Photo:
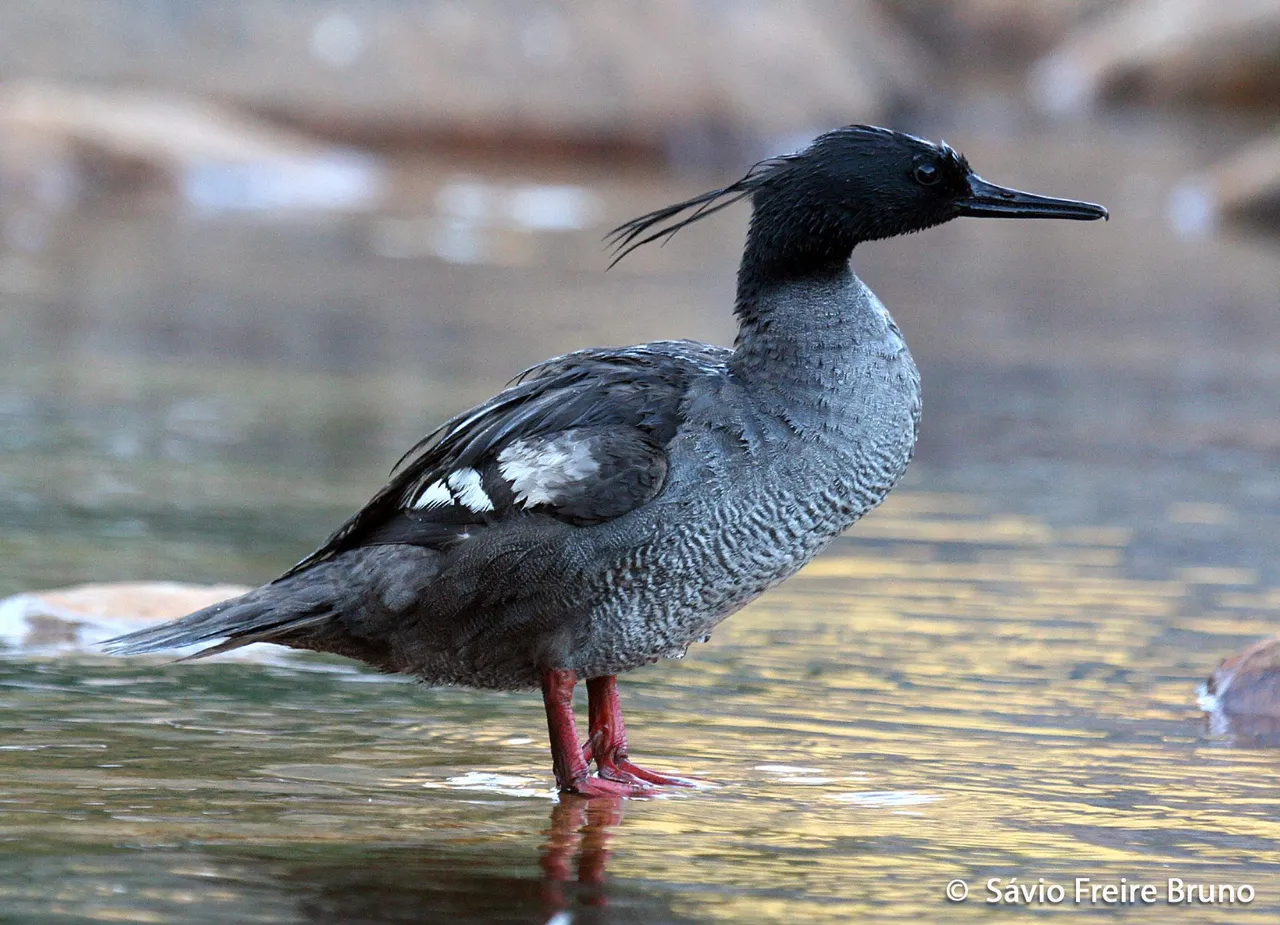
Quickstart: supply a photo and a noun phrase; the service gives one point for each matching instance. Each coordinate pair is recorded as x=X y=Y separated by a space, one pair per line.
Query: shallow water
x=991 y=676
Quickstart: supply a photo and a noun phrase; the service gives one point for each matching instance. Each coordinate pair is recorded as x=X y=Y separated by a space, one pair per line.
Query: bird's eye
x=926 y=174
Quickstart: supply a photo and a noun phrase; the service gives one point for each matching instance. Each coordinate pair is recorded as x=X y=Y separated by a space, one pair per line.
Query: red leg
x=607 y=738
x=573 y=774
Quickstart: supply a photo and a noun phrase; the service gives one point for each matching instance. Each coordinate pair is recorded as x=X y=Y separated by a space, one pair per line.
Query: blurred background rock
x=392 y=73
x=274 y=97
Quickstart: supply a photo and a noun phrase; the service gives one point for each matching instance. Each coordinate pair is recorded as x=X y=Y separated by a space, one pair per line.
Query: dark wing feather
x=623 y=405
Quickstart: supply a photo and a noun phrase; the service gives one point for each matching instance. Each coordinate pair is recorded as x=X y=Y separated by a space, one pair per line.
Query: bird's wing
x=581 y=438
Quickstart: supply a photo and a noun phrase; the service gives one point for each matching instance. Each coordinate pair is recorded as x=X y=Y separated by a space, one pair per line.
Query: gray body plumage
x=681 y=482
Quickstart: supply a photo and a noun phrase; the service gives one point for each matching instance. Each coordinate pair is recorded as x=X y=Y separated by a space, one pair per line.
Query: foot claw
x=606 y=787
x=620 y=768
x=652 y=777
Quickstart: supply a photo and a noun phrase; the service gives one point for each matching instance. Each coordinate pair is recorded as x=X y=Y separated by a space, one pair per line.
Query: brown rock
x=609 y=71
x=78 y=618
x=980 y=34
x=1223 y=51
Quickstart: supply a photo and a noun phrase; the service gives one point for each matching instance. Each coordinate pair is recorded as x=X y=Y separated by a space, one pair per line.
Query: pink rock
x=79 y=141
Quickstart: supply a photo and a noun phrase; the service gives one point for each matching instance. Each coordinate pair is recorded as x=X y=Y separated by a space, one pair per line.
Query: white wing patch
x=539 y=470
x=461 y=487
x=465 y=484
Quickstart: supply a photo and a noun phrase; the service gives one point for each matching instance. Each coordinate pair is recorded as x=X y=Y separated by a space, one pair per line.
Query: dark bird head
x=854 y=184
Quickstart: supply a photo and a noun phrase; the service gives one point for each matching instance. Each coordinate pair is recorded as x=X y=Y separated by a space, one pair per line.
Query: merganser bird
x=612 y=505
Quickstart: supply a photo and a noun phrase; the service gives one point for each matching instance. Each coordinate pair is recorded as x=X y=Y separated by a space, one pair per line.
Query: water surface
x=991 y=676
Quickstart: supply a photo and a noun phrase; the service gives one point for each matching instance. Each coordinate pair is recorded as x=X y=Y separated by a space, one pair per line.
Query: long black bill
x=987 y=200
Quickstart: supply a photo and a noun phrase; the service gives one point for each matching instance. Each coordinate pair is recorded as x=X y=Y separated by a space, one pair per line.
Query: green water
x=991 y=677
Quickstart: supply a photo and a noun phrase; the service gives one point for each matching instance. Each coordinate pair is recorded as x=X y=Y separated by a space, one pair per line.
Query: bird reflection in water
x=491 y=882
x=582 y=826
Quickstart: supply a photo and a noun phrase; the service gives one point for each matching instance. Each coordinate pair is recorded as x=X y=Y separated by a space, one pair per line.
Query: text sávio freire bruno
x=1084 y=891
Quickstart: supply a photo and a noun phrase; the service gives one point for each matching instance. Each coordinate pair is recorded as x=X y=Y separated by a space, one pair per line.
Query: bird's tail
x=258 y=616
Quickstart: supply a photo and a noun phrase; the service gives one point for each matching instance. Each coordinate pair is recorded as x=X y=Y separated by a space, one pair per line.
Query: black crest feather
x=665 y=222
x=954 y=156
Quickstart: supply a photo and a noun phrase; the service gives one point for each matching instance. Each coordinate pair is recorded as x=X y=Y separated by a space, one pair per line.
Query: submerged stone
x=78 y=618
x=1242 y=696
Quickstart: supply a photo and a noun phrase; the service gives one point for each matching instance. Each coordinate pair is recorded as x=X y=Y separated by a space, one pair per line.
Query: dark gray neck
x=804 y=319
x=803 y=335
